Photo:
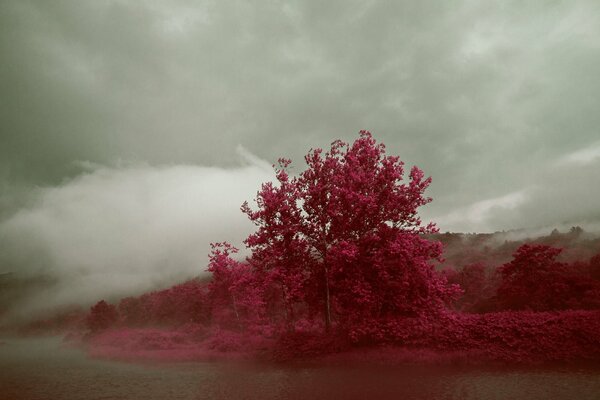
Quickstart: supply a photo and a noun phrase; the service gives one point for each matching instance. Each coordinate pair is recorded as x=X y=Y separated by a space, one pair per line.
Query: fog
x=119 y=230
x=555 y=198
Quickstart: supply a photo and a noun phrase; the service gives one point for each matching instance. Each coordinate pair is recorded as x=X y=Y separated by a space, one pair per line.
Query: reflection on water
x=43 y=369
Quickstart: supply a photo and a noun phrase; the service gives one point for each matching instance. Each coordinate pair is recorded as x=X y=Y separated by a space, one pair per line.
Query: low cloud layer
x=563 y=195
x=117 y=231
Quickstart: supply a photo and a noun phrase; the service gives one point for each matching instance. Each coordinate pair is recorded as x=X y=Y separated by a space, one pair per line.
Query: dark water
x=43 y=369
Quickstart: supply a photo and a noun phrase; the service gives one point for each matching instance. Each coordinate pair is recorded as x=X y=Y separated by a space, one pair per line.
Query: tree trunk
x=235 y=310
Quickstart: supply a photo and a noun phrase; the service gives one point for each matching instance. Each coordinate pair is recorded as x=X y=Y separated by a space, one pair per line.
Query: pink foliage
x=536 y=280
x=522 y=337
x=235 y=296
x=478 y=285
x=343 y=239
x=180 y=304
x=340 y=259
x=185 y=342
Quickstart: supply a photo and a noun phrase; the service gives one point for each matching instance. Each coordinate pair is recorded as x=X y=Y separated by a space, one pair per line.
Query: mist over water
x=46 y=369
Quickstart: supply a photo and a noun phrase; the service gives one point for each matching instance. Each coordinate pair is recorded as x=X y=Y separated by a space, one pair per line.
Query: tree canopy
x=343 y=238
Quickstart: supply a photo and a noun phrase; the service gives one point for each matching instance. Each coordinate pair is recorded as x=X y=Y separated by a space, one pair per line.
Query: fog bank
x=121 y=230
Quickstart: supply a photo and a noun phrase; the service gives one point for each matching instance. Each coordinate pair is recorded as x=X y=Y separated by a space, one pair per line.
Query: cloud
x=560 y=196
x=477 y=216
x=584 y=156
x=484 y=97
x=116 y=231
x=250 y=159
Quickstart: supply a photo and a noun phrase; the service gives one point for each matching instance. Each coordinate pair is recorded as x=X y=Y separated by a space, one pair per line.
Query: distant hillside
x=460 y=249
x=494 y=249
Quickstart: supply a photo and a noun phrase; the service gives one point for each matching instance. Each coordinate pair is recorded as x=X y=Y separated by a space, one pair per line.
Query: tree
x=102 y=316
x=344 y=237
x=536 y=280
x=235 y=297
x=472 y=279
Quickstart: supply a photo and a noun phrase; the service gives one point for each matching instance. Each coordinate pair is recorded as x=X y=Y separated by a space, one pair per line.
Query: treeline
x=534 y=280
x=496 y=249
x=531 y=309
x=186 y=303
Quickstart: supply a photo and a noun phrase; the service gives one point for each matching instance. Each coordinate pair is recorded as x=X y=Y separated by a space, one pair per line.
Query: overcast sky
x=497 y=101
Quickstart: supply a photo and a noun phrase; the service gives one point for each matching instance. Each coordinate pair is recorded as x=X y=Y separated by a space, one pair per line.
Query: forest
x=341 y=262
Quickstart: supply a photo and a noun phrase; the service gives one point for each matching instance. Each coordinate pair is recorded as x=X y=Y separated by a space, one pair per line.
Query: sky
x=130 y=132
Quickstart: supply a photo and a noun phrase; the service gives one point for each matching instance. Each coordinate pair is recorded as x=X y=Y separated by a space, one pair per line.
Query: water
x=44 y=369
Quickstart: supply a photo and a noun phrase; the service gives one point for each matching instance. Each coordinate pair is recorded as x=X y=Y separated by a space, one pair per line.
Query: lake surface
x=45 y=369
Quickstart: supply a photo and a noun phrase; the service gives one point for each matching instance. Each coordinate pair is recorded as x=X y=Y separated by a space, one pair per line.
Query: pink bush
x=522 y=337
x=535 y=280
x=180 y=304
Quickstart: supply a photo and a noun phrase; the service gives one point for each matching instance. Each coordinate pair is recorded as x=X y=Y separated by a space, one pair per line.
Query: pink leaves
x=180 y=304
x=235 y=296
x=535 y=280
x=515 y=337
x=342 y=238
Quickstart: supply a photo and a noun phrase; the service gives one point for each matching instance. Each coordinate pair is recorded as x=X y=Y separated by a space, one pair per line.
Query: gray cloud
x=497 y=101
x=480 y=95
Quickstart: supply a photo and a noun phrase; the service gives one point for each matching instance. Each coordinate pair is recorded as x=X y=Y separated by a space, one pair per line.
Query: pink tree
x=473 y=280
x=536 y=280
x=344 y=236
x=235 y=296
x=527 y=279
x=102 y=316
x=279 y=251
